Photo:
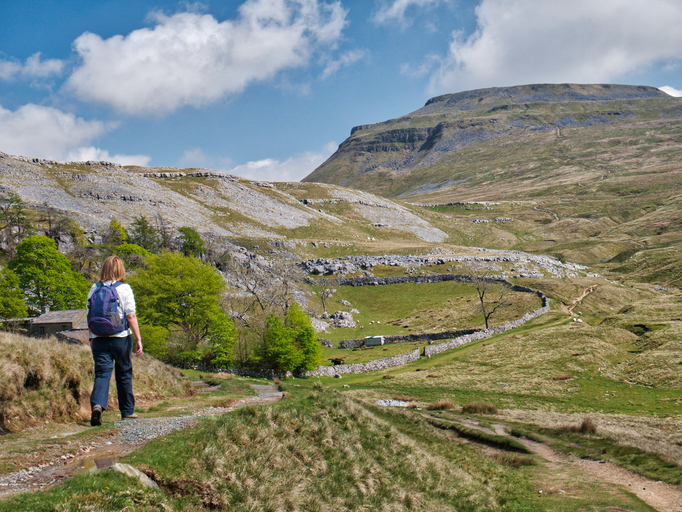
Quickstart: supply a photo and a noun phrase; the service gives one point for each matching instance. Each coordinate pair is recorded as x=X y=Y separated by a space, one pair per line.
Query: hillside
x=217 y=205
x=589 y=173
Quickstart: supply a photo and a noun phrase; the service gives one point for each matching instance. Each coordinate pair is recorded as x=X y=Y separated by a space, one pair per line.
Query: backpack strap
x=120 y=304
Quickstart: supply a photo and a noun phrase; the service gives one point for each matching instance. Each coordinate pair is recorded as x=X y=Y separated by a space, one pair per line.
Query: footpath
x=56 y=460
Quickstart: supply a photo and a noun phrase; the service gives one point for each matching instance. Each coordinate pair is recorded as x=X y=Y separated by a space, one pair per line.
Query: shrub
x=388 y=377
x=479 y=408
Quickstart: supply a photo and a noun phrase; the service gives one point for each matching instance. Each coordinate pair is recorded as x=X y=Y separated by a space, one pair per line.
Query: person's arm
x=132 y=322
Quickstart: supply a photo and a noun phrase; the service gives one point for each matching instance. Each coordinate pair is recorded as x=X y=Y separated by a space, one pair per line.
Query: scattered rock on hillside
x=342 y=319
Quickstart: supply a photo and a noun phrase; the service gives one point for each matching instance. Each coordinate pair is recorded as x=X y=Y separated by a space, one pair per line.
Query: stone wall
x=378 y=364
x=468 y=338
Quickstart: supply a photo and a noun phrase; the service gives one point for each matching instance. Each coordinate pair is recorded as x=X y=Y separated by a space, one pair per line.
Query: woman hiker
x=111 y=318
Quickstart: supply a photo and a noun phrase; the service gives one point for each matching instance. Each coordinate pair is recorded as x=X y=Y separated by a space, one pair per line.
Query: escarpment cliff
x=459 y=146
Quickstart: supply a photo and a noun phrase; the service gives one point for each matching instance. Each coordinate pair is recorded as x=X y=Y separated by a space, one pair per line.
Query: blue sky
x=267 y=89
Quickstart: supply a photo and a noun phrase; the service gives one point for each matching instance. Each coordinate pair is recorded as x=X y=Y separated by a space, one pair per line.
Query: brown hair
x=113 y=270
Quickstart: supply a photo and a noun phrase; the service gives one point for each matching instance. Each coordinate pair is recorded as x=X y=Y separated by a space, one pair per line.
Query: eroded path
x=103 y=450
x=659 y=495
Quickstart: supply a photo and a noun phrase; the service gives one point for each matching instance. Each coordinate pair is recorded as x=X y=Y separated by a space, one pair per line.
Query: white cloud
x=293 y=169
x=194 y=157
x=346 y=60
x=46 y=132
x=531 y=41
x=83 y=154
x=394 y=11
x=33 y=68
x=192 y=59
x=670 y=90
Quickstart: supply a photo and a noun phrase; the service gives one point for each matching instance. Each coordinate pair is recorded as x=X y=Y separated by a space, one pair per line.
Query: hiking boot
x=133 y=416
x=96 y=417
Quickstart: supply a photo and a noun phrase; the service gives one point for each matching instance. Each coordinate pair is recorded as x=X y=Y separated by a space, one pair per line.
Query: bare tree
x=493 y=295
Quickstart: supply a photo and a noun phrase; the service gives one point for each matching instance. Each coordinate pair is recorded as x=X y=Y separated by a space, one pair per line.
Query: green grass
x=649 y=465
x=501 y=442
x=409 y=308
x=319 y=450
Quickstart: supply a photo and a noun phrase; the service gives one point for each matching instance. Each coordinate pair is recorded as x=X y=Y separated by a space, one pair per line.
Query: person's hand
x=138 y=347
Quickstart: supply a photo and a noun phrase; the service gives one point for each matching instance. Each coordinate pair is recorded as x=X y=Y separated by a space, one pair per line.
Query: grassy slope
x=319 y=450
x=42 y=380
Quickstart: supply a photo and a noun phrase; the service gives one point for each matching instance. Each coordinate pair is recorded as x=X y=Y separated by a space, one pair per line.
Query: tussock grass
x=513 y=460
x=587 y=426
x=321 y=451
x=479 y=408
x=442 y=405
x=44 y=380
x=517 y=432
x=405 y=398
x=562 y=377
x=478 y=436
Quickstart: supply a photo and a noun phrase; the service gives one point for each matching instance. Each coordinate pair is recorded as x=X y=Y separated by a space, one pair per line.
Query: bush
x=479 y=408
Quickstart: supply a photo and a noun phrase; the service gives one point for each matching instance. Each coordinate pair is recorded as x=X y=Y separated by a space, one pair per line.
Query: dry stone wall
x=378 y=364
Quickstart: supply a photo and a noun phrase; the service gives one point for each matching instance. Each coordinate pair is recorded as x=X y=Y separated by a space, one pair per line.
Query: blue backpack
x=105 y=312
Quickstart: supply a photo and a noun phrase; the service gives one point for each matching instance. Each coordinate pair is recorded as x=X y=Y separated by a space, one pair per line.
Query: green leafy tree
x=182 y=295
x=304 y=337
x=223 y=336
x=12 y=303
x=144 y=234
x=279 y=352
x=46 y=277
x=133 y=255
x=192 y=244
x=290 y=345
x=15 y=224
x=155 y=340
x=117 y=234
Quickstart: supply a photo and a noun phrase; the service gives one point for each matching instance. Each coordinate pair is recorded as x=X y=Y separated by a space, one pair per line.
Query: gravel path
x=106 y=450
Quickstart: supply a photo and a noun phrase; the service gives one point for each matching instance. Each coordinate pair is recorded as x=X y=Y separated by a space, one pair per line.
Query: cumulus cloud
x=46 y=132
x=394 y=11
x=346 y=60
x=194 y=157
x=292 y=169
x=670 y=90
x=83 y=154
x=192 y=59
x=32 y=68
x=530 y=41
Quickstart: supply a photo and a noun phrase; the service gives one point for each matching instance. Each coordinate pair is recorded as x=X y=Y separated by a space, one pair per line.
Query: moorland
x=577 y=409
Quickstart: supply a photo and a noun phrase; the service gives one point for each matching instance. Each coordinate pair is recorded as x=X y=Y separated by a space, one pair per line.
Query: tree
x=192 y=244
x=304 y=337
x=133 y=255
x=493 y=295
x=15 y=222
x=12 y=303
x=46 y=277
x=182 y=295
x=290 y=345
x=164 y=234
x=144 y=234
x=117 y=234
x=279 y=352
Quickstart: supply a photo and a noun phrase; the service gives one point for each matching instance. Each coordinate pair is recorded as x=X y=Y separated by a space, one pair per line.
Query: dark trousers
x=106 y=353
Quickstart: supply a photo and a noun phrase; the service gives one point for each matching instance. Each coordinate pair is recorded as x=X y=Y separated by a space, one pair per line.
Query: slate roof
x=77 y=317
